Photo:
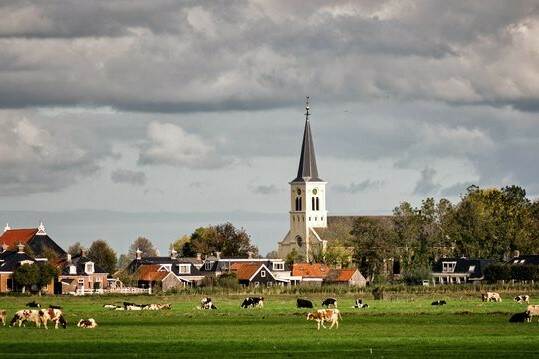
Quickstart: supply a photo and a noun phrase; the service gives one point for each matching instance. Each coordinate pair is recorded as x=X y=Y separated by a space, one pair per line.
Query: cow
x=54 y=315
x=491 y=297
x=24 y=315
x=207 y=303
x=532 y=310
x=155 y=306
x=132 y=306
x=33 y=304
x=439 y=302
x=3 y=315
x=359 y=304
x=251 y=302
x=522 y=299
x=520 y=317
x=325 y=315
x=329 y=301
x=304 y=303
x=87 y=323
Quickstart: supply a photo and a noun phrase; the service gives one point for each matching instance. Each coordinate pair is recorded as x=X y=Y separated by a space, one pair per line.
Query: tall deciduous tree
x=224 y=238
x=103 y=255
x=143 y=244
x=75 y=248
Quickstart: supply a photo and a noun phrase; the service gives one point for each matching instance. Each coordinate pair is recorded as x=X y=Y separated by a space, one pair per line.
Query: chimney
x=69 y=258
x=250 y=255
x=199 y=256
x=21 y=247
x=218 y=255
x=139 y=254
x=7 y=227
x=173 y=253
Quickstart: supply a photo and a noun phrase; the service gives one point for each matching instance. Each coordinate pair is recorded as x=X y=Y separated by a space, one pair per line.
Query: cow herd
x=134 y=306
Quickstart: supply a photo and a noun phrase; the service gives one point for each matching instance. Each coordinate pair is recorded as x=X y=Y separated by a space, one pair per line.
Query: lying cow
x=329 y=301
x=33 y=304
x=359 y=304
x=491 y=297
x=522 y=299
x=325 y=315
x=520 y=317
x=3 y=315
x=111 y=306
x=251 y=302
x=207 y=303
x=24 y=315
x=439 y=302
x=304 y=303
x=155 y=306
x=132 y=306
x=87 y=323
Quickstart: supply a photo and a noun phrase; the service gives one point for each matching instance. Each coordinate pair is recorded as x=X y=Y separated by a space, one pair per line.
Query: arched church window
x=299 y=241
x=317 y=203
x=313 y=204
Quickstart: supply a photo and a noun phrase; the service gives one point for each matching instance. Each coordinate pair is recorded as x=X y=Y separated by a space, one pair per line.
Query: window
x=72 y=269
x=278 y=266
x=522 y=261
x=208 y=265
x=321 y=218
x=448 y=266
x=81 y=281
x=317 y=204
x=471 y=269
x=89 y=267
x=313 y=204
x=257 y=284
x=263 y=273
x=184 y=268
x=309 y=219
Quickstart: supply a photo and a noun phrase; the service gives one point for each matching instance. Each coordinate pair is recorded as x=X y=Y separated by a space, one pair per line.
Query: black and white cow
x=33 y=304
x=329 y=301
x=439 y=302
x=522 y=299
x=207 y=303
x=89 y=323
x=251 y=302
x=359 y=304
x=304 y=303
x=521 y=317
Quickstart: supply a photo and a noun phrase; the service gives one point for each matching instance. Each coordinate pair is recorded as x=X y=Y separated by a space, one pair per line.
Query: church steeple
x=307 y=170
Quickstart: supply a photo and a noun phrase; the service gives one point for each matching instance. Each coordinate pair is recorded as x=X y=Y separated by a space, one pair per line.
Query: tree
x=224 y=238
x=272 y=255
x=46 y=272
x=184 y=247
x=143 y=244
x=75 y=249
x=26 y=276
x=103 y=255
x=123 y=261
x=294 y=257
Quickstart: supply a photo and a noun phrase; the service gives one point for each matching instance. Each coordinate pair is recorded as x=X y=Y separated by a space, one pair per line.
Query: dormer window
x=278 y=266
x=72 y=269
x=471 y=269
x=184 y=268
x=448 y=267
x=208 y=265
x=89 y=267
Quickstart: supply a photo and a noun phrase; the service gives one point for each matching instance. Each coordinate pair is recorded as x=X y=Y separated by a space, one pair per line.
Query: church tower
x=307 y=203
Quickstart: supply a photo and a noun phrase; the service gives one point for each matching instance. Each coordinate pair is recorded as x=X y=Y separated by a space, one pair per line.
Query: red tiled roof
x=244 y=271
x=315 y=270
x=149 y=272
x=12 y=237
x=345 y=275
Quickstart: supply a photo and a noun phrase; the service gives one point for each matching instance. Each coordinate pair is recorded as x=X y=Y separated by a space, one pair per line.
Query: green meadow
x=403 y=327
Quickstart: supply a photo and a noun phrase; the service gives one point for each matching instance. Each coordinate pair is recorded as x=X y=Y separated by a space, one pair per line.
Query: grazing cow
x=111 y=306
x=33 y=304
x=54 y=315
x=251 y=302
x=207 y=303
x=491 y=297
x=439 y=302
x=325 y=315
x=520 y=317
x=87 y=323
x=24 y=315
x=329 y=301
x=304 y=303
x=522 y=299
x=3 y=315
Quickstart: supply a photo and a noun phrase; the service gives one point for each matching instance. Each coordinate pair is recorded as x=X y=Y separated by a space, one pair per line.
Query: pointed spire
x=307 y=170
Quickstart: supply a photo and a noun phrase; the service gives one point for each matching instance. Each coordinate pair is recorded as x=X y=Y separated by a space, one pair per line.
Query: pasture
x=404 y=327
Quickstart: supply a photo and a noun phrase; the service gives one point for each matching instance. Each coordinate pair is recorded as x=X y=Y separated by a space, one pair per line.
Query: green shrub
x=523 y=272
x=496 y=272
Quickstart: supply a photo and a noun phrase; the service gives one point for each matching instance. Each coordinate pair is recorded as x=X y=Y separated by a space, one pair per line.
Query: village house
x=256 y=274
x=79 y=275
x=459 y=270
x=345 y=276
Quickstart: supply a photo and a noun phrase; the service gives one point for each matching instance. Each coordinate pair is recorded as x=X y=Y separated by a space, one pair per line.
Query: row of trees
x=485 y=223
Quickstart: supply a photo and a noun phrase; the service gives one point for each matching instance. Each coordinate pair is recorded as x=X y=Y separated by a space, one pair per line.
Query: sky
x=124 y=118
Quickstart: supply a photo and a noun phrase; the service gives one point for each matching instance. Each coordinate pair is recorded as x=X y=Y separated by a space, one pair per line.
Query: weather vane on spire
x=307 y=108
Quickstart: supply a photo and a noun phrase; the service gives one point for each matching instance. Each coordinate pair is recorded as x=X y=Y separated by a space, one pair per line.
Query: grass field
x=410 y=327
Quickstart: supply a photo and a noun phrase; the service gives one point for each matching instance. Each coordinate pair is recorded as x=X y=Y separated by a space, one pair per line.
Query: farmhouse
x=80 y=275
x=256 y=274
x=36 y=241
x=459 y=270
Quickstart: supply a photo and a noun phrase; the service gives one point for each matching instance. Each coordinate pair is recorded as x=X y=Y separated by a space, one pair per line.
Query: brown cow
x=325 y=315
x=491 y=296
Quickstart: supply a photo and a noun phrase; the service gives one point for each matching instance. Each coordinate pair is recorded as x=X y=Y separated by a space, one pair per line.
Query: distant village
x=439 y=243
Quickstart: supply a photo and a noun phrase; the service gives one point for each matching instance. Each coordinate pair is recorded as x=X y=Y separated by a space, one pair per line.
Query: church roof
x=307 y=170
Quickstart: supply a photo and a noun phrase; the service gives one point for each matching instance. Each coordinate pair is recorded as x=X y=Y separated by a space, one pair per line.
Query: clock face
x=298 y=191
x=315 y=191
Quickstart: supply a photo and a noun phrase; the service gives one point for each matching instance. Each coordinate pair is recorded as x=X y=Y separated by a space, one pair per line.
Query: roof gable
x=12 y=237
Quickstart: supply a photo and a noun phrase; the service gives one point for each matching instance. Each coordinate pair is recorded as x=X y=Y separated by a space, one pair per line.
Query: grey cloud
x=136 y=178
x=456 y=189
x=359 y=187
x=266 y=189
x=426 y=184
